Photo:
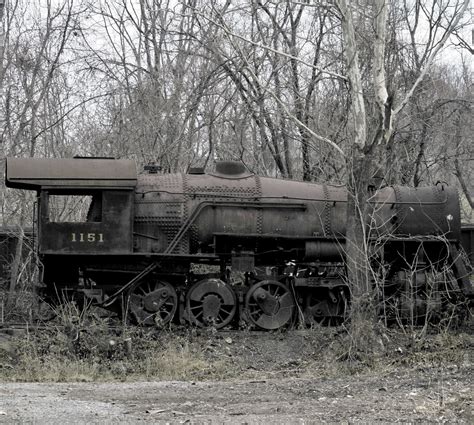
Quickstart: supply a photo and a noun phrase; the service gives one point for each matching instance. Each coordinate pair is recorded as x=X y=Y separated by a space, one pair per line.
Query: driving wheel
x=153 y=303
x=324 y=307
x=210 y=302
x=269 y=305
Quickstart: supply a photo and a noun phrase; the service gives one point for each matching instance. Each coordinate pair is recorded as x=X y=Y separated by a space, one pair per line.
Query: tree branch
x=265 y=47
x=432 y=56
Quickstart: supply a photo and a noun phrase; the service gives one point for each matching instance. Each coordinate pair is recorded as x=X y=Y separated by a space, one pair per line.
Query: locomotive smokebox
x=427 y=211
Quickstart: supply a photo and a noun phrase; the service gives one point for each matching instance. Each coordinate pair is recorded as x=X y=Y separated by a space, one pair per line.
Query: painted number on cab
x=87 y=237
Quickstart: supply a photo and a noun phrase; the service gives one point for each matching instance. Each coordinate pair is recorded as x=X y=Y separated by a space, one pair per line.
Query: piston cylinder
x=324 y=250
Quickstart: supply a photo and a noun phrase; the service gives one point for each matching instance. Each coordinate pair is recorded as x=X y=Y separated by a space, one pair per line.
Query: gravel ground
x=435 y=395
x=256 y=378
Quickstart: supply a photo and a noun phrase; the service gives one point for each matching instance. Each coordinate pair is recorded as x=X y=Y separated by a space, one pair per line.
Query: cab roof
x=70 y=173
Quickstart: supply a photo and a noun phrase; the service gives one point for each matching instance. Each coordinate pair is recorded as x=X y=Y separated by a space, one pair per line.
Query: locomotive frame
x=277 y=246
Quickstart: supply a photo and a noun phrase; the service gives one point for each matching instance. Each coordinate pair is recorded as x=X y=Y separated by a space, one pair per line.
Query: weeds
x=82 y=344
x=97 y=354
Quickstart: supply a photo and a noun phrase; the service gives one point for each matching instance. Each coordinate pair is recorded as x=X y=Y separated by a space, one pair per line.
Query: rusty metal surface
x=245 y=205
x=160 y=209
x=231 y=170
x=430 y=210
x=34 y=173
x=189 y=210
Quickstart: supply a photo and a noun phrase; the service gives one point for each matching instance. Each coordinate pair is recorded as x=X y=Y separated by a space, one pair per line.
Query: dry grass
x=81 y=346
x=57 y=356
x=96 y=354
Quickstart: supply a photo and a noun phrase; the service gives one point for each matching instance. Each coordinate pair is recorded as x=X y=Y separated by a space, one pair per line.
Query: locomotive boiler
x=230 y=247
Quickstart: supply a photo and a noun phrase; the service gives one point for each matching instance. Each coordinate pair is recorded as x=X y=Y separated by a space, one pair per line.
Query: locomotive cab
x=85 y=205
x=78 y=221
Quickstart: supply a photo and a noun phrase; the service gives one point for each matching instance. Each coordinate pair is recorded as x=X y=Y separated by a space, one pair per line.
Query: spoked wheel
x=269 y=305
x=153 y=303
x=325 y=308
x=211 y=302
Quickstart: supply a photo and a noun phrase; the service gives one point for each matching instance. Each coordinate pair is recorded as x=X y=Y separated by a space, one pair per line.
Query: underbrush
x=96 y=353
x=81 y=345
x=396 y=348
x=21 y=307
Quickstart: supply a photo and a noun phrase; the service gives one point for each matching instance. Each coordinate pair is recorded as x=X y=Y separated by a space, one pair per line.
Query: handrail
x=185 y=227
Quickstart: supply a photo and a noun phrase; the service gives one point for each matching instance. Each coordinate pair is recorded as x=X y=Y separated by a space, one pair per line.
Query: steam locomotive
x=230 y=247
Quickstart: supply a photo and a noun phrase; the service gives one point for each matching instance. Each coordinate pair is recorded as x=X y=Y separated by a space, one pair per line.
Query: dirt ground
x=275 y=378
x=442 y=396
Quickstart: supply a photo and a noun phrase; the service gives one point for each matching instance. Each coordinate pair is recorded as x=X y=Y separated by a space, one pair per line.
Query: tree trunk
x=363 y=313
x=15 y=267
x=359 y=175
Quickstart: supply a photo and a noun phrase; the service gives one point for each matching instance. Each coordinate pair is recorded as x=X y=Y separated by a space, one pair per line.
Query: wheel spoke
x=226 y=309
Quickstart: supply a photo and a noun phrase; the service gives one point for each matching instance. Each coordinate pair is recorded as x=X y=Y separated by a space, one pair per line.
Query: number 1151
x=87 y=237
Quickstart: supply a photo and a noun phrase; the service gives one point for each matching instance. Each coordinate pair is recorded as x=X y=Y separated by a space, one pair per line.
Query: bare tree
x=35 y=96
x=333 y=91
x=361 y=158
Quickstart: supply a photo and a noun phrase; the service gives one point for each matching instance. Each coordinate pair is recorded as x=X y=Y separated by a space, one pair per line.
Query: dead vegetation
x=82 y=345
x=124 y=373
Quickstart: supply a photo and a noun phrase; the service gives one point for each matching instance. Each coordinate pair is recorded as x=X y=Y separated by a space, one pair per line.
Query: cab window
x=75 y=208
